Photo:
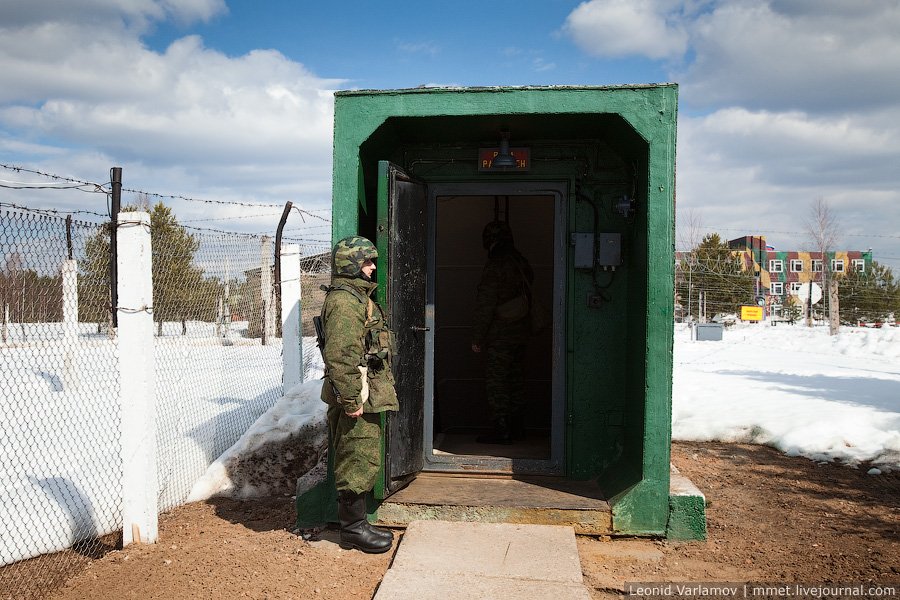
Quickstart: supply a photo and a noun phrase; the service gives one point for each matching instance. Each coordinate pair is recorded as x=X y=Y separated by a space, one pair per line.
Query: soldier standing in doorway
x=358 y=386
x=501 y=328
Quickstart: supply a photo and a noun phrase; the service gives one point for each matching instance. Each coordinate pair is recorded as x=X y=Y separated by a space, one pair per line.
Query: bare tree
x=822 y=229
x=690 y=234
x=690 y=230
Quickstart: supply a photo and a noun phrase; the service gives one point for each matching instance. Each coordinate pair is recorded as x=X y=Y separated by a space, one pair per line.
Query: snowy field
x=60 y=461
x=828 y=398
x=791 y=387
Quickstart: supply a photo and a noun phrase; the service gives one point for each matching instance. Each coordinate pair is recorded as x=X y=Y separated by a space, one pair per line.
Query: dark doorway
x=456 y=409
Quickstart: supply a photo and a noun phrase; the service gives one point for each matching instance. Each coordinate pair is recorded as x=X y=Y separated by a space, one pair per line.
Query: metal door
x=401 y=236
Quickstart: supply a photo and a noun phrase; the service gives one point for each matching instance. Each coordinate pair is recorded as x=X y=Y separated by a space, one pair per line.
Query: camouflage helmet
x=350 y=254
x=496 y=232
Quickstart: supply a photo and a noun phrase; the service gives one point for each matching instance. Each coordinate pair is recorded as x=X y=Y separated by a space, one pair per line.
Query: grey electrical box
x=584 y=250
x=707 y=332
x=609 y=249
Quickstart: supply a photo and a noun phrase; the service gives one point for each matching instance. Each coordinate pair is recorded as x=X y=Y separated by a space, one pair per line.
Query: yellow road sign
x=751 y=313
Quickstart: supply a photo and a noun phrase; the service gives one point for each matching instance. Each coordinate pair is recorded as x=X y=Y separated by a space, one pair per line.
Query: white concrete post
x=137 y=385
x=291 y=335
x=69 y=273
x=265 y=290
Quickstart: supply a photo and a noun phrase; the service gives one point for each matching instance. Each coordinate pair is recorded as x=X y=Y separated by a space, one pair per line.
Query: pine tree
x=180 y=292
x=870 y=296
x=714 y=269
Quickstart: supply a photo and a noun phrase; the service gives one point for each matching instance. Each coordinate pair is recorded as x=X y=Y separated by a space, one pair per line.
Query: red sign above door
x=522 y=156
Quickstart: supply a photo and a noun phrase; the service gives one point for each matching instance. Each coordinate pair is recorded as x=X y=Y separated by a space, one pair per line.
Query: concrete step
x=439 y=560
x=526 y=500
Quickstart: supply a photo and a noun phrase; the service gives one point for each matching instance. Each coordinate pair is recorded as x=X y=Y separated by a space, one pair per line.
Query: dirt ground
x=771 y=518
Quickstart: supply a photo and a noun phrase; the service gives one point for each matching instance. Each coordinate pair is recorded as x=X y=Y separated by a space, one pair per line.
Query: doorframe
x=555 y=465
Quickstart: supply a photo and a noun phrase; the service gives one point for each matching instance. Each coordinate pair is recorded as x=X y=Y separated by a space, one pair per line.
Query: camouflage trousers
x=505 y=377
x=356 y=444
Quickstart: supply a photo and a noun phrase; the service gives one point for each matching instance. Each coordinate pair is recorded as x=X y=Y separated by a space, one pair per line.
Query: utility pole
x=758 y=266
x=690 y=289
x=834 y=310
x=809 y=319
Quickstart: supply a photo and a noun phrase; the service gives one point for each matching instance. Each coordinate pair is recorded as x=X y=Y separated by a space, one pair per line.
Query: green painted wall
x=603 y=142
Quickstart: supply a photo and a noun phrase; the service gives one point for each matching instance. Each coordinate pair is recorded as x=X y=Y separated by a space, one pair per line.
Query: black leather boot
x=385 y=533
x=355 y=529
x=501 y=435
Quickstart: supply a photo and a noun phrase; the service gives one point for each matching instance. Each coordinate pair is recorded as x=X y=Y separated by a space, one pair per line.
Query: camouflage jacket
x=358 y=349
x=502 y=279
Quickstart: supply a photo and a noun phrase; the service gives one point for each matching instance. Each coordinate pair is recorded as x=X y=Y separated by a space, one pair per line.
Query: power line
x=744 y=229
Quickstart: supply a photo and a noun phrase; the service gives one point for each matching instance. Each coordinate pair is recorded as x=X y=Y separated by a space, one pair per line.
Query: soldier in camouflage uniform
x=358 y=386
x=501 y=328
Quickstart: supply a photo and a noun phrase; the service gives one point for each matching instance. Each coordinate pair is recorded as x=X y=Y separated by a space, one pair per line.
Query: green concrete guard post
x=603 y=143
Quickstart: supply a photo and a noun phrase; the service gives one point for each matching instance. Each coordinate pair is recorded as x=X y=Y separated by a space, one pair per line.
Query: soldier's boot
x=385 y=533
x=502 y=433
x=356 y=533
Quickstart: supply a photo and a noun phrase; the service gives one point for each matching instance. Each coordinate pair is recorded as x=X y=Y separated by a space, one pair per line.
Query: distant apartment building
x=783 y=273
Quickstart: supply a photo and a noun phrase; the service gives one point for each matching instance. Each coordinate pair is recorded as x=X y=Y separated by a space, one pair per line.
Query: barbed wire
x=201 y=200
x=301 y=211
x=27 y=185
x=99 y=188
x=20 y=169
x=52 y=212
x=228 y=218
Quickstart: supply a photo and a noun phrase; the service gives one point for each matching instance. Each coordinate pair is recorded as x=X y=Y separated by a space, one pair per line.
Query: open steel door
x=401 y=236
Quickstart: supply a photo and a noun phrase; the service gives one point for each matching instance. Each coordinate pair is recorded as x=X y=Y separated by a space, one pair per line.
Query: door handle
x=420 y=328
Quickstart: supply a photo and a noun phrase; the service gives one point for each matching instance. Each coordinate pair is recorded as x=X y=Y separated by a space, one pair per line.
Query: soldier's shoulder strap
x=345 y=288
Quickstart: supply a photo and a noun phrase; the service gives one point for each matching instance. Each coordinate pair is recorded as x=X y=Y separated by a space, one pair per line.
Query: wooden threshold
x=539 y=500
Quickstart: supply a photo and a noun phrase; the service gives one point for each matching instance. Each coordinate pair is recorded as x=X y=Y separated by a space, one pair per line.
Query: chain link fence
x=60 y=467
x=218 y=352
x=218 y=367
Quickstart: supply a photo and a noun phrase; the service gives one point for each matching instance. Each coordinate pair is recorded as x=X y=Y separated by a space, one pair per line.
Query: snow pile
x=828 y=398
x=282 y=445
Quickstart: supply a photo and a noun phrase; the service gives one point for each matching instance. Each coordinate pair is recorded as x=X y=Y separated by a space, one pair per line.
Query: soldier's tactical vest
x=379 y=340
x=375 y=364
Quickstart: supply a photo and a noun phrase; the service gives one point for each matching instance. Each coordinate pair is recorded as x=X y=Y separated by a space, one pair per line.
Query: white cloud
x=427 y=48
x=795 y=54
x=136 y=14
x=540 y=65
x=251 y=128
x=614 y=28
x=758 y=171
x=782 y=102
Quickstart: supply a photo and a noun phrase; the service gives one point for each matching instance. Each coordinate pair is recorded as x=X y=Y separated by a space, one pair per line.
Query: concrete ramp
x=441 y=560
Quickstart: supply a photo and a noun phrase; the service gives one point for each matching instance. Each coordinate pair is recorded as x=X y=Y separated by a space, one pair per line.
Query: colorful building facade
x=783 y=273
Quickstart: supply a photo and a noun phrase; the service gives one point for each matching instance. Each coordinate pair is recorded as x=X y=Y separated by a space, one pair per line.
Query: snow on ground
x=828 y=398
x=284 y=440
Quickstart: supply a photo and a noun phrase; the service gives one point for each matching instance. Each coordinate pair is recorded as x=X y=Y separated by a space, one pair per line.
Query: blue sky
x=407 y=44
x=781 y=102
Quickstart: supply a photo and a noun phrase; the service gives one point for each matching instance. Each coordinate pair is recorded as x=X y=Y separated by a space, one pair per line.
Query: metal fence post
x=115 y=178
x=137 y=391
x=292 y=342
